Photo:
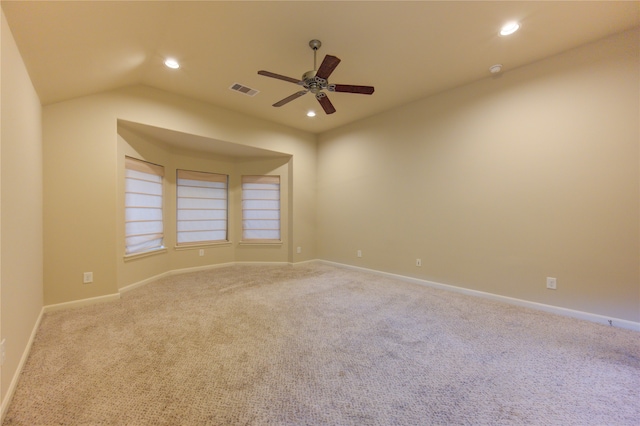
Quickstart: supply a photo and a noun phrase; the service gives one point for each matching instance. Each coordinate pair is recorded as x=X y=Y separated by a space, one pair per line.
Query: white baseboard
x=600 y=319
x=171 y=273
x=143 y=282
x=303 y=262
x=81 y=302
x=200 y=268
x=261 y=263
x=23 y=359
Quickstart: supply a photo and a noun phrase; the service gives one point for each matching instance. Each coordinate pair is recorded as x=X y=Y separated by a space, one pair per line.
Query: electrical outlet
x=359 y=253
x=418 y=262
x=551 y=283
x=299 y=250
x=201 y=252
x=3 y=350
x=87 y=277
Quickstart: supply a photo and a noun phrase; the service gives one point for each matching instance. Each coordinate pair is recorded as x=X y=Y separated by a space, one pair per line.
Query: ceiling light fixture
x=311 y=114
x=509 y=28
x=494 y=69
x=172 y=63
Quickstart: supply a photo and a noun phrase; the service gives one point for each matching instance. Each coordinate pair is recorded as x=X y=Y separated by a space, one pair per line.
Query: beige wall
x=83 y=184
x=21 y=207
x=499 y=184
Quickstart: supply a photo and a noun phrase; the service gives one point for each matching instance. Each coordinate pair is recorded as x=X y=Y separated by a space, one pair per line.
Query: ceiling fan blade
x=326 y=104
x=349 y=88
x=329 y=63
x=279 y=77
x=290 y=98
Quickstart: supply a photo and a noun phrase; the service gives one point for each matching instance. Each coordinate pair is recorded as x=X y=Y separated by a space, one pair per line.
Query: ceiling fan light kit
x=316 y=81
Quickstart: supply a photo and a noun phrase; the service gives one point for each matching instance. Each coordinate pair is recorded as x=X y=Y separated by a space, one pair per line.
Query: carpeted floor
x=320 y=345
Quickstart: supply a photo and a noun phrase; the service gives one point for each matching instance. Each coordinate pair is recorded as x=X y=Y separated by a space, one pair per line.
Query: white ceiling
x=407 y=50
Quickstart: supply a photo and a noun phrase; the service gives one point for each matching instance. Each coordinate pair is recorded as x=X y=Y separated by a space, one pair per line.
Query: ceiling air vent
x=244 y=89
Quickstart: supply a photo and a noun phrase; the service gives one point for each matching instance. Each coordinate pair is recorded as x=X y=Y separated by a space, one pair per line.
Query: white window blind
x=202 y=207
x=143 y=206
x=261 y=208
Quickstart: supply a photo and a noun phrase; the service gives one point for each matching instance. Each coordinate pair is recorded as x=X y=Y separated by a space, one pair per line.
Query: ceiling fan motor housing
x=308 y=76
x=312 y=83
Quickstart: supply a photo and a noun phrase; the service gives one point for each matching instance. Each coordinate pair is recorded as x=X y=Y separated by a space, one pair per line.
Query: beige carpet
x=320 y=345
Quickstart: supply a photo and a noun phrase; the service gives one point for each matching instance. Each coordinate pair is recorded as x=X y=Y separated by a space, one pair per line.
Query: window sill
x=128 y=257
x=201 y=245
x=261 y=243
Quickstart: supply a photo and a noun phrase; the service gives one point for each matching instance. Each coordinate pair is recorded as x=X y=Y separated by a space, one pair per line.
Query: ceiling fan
x=315 y=81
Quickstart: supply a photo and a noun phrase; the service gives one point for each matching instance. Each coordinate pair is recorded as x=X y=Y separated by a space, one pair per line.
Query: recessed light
x=311 y=114
x=509 y=28
x=494 y=69
x=172 y=63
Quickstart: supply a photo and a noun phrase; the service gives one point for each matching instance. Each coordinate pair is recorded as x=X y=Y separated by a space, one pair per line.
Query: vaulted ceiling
x=407 y=50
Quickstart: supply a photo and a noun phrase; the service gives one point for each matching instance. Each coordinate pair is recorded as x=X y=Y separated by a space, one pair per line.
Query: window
x=261 y=208
x=202 y=207
x=143 y=206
